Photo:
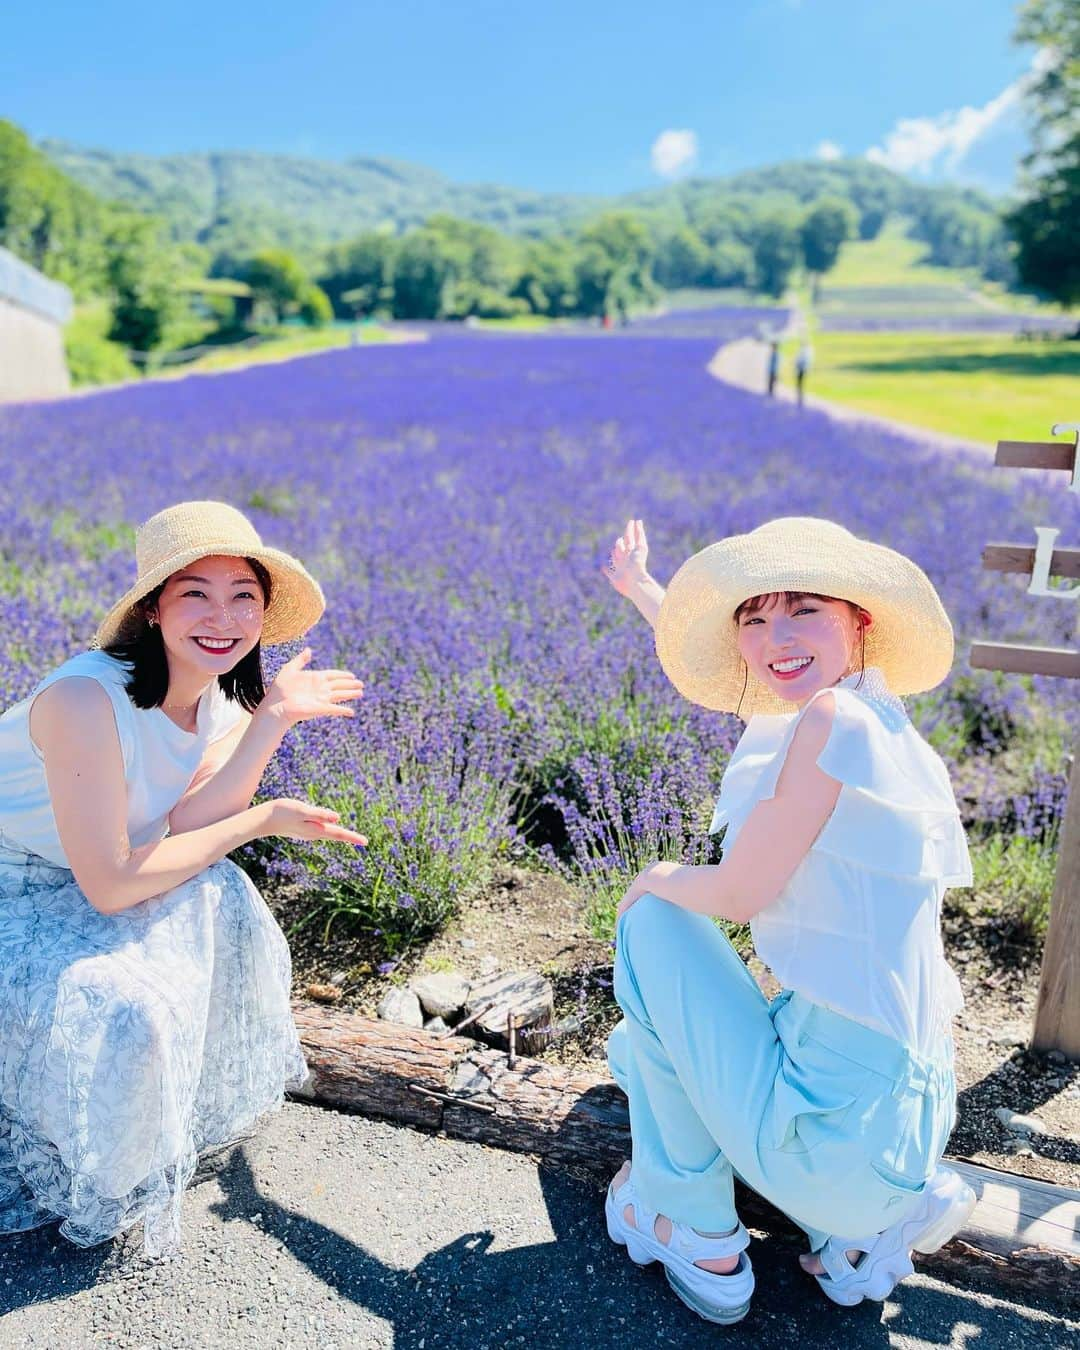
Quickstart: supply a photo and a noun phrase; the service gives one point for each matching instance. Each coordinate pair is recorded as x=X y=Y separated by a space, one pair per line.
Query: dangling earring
x=862 y=652
x=746 y=676
x=151 y=621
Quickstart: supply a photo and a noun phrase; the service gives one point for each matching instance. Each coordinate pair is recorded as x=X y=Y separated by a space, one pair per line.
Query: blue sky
x=554 y=96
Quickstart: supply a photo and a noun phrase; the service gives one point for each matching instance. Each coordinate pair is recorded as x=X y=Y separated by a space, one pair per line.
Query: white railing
x=25 y=286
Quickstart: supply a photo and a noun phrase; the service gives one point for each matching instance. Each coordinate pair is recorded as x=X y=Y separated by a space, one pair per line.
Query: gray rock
x=435 y=1024
x=1016 y=1123
x=441 y=994
x=1019 y=1148
x=401 y=1006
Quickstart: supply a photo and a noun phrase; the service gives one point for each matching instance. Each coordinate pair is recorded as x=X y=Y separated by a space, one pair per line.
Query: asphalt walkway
x=743 y=363
x=333 y=1232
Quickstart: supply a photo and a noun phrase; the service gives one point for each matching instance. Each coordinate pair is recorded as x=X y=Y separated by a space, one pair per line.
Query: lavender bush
x=456 y=499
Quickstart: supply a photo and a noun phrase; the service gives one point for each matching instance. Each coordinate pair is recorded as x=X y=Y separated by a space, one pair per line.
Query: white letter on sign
x=1040 y=573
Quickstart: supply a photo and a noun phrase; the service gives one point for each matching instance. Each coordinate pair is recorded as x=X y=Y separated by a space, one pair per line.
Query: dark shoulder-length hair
x=140 y=647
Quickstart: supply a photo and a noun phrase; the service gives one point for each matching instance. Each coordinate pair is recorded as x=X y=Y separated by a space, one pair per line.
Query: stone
x=323 y=993
x=1019 y=1148
x=1009 y=1035
x=1016 y=1123
x=435 y=1024
x=527 y=996
x=401 y=1006
x=441 y=994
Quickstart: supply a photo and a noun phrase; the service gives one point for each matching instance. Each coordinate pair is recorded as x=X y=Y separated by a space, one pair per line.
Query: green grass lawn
x=982 y=388
x=287 y=343
x=892 y=259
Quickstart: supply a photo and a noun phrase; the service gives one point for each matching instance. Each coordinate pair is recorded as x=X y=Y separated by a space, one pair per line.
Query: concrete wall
x=32 y=363
x=33 y=310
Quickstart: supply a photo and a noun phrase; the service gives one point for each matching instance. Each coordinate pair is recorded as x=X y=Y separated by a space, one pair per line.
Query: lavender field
x=456 y=499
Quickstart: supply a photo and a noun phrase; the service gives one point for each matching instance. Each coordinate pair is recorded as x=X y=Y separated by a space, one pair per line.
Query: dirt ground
x=531 y=920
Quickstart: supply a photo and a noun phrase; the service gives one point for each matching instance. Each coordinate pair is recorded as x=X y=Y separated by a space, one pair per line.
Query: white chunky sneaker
x=717 y=1298
x=941 y=1211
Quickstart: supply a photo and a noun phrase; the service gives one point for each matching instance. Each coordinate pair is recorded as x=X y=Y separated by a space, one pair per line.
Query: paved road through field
x=336 y=1232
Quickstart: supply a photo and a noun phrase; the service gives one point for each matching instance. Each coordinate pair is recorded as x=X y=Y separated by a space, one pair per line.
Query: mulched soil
x=531 y=920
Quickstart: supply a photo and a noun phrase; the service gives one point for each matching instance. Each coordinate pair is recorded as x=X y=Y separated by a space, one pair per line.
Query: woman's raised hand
x=294 y=819
x=626 y=564
x=298 y=694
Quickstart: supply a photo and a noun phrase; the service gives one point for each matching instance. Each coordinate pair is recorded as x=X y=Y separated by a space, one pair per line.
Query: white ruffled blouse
x=858 y=927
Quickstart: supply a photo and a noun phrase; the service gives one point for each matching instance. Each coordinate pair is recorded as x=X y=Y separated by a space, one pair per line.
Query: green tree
x=682 y=259
x=48 y=220
x=731 y=263
x=278 y=282
x=613 y=268
x=363 y=270
x=547 y=282
x=1046 y=223
x=825 y=227
x=776 y=248
x=425 y=272
x=143 y=273
x=484 y=268
x=314 y=306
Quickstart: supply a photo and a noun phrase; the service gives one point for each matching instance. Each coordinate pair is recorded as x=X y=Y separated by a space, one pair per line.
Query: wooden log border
x=1022 y=1233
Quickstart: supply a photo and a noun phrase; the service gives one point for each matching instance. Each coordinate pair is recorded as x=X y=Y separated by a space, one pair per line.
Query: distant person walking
x=773 y=367
x=804 y=359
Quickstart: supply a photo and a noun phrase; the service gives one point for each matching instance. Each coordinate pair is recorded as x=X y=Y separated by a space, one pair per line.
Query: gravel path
x=743 y=364
x=333 y=1231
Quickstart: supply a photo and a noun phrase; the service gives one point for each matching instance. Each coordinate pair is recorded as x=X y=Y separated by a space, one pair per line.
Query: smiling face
x=210 y=615
x=797 y=644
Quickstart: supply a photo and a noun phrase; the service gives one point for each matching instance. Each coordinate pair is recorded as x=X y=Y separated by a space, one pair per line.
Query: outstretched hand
x=298 y=694
x=626 y=564
x=294 y=819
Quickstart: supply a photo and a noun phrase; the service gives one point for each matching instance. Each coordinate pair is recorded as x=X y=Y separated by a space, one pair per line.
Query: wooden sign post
x=1057 y=1016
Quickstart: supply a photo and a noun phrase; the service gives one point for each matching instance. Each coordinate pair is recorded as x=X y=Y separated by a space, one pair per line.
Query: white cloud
x=673 y=151
x=925 y=145
x=828 y=150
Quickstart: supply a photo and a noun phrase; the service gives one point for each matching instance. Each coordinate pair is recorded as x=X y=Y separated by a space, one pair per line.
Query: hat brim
x=296 y=599
x=910 y=638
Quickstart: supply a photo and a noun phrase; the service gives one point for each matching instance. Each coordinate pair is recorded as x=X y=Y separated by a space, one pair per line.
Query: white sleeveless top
x=858 y=927
x=160 y=758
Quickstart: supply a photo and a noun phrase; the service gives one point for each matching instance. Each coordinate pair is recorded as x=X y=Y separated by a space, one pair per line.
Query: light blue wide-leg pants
x=836 y=1124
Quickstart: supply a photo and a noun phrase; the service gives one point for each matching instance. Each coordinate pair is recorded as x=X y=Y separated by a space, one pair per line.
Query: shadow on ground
x=575 y=1290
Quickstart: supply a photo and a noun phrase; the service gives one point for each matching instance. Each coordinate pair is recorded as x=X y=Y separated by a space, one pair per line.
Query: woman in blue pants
x=835 y=1100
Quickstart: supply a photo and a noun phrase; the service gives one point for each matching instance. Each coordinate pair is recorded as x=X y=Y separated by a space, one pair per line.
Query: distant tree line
x=754 y=232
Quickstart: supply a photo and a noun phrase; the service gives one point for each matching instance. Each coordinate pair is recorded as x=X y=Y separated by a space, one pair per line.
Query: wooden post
x=1057 y=1014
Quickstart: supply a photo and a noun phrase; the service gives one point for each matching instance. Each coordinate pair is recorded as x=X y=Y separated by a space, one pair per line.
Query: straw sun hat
x=910 y=639
x=180 y=535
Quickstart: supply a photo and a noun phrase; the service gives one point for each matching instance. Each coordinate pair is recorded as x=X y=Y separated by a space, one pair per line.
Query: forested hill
x=287 y=200
x=224 y=198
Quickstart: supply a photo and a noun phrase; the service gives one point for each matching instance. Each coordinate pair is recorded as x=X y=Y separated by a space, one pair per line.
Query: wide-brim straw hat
x=180 y=535
x=910 y=639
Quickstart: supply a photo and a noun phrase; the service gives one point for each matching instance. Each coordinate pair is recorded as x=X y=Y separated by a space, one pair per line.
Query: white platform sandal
x=717 y=1298
x=942 y=1210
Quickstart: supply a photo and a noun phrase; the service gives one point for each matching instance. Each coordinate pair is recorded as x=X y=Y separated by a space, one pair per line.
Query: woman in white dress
x=144 y=984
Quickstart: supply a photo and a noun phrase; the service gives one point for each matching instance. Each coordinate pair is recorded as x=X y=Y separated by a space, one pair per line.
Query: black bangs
x=141 y=648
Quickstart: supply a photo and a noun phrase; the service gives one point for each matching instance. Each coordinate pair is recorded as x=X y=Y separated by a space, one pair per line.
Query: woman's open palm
x=298 y=694
x=626 y=564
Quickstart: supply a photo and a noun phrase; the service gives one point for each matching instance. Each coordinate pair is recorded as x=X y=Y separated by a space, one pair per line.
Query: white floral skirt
x=131 y=1043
